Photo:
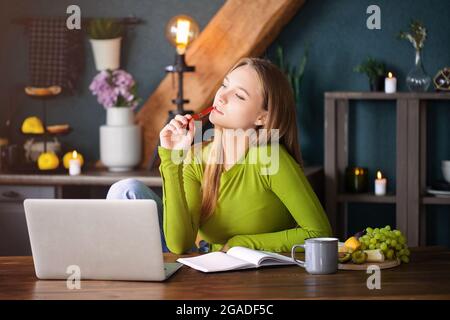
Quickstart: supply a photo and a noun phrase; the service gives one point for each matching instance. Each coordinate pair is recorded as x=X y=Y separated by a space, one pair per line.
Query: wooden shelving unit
x=365 y=197
x=411 y=198
x=435 y=200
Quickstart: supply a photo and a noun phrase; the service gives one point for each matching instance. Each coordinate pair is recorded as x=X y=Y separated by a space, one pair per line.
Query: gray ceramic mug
x=321 y=255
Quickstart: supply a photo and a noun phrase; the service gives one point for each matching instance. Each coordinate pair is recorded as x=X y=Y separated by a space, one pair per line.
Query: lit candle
x=74 y=165
x=380 y=185
x=390 y=83
x=356 y=179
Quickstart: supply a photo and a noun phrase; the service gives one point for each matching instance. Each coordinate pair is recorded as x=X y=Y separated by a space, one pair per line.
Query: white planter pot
x=106 y=53
x=120 y=140
x=119 y=116
x=120 y=147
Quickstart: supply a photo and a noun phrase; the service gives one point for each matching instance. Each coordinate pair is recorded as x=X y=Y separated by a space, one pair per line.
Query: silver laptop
x=100 y=239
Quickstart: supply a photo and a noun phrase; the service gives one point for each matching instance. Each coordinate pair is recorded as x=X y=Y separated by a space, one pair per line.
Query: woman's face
x=238 y=102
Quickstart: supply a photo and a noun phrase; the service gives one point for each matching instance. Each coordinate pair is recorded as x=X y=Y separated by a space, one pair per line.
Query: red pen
x=203 y=113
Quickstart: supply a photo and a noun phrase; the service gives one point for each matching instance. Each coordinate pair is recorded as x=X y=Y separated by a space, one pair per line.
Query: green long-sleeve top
x=261 y=205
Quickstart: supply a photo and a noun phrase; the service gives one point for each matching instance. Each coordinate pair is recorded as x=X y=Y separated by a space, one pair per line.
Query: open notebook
x=235 y=258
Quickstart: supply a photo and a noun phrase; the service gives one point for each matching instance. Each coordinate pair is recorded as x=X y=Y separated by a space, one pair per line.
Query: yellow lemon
x=352 y=244
x=32 y=125
x=48 y=161
x=69 y=155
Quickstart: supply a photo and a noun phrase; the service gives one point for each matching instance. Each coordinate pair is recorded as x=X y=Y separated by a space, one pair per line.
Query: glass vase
x=417 y=79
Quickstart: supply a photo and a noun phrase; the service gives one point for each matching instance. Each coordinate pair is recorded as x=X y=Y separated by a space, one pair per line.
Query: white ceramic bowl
x=446 y=170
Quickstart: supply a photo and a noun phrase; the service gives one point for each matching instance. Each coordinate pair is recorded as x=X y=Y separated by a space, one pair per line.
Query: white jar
x=119 y=116
x=106 y=53
x=120 y=140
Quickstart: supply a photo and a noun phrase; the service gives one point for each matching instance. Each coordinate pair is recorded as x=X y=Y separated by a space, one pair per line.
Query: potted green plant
x=375 y=71
x=105 y=37
x=293 y=73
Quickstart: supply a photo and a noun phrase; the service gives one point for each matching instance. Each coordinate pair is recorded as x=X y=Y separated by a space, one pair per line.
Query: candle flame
x=379 y=175
x=390 y=75
x=74 y=154
x=357 y=172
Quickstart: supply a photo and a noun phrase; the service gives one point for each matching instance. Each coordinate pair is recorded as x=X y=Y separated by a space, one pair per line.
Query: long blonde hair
x=278 y=100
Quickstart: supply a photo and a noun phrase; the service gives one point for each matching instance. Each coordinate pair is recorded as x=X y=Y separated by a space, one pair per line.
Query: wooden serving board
x=383 y=265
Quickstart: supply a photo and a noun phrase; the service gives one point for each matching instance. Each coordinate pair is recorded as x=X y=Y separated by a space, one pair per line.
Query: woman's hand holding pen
x=178 y=134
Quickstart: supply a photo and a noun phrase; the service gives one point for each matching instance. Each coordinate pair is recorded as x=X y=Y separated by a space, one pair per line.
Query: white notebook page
x=215 y=261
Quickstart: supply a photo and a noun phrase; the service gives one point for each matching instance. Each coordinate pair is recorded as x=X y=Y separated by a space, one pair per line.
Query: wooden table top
x=427 y=276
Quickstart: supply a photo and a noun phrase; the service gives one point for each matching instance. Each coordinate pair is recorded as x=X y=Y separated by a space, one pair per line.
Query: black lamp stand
x=178 y=67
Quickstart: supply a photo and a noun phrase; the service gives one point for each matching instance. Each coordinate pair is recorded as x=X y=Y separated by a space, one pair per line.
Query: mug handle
x=299 y=262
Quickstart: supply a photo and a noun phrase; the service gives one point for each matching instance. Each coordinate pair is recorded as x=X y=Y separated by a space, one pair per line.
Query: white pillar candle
x=380 y=185
x=74 y=167
x=390 y=83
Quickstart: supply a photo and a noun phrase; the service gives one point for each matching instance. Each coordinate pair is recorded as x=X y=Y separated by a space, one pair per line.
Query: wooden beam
x=239 y=29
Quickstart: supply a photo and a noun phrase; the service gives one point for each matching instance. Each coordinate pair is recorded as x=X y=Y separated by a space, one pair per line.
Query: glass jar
x=356 y=180
x=417 y=79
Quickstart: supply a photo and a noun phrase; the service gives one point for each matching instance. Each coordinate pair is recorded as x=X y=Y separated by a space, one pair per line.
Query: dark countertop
x=90 y=177
x=96 y=177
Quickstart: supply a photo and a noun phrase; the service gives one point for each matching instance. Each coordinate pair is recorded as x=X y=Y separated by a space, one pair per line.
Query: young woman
x=225 y=190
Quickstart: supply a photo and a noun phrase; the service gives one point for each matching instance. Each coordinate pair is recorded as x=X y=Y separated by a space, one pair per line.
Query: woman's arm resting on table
x=289 y=183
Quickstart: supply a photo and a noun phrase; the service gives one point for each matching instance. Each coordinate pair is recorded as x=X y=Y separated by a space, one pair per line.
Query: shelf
x=411 y=159
x=390 y=198
x=435 y=200
x=366 y=197
x=388 y=96
x=48 y=133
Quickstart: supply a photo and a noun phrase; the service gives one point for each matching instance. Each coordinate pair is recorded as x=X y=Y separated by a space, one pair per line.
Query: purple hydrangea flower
x=114 y=89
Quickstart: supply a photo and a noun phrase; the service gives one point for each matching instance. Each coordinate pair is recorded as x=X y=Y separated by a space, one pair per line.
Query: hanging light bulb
x=181 y=30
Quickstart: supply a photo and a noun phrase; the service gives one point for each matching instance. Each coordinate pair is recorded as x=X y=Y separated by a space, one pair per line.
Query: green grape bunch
x=391 y=242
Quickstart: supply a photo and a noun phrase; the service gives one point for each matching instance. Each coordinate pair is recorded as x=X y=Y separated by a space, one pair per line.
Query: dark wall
x=338 y=40
x=145 y=54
